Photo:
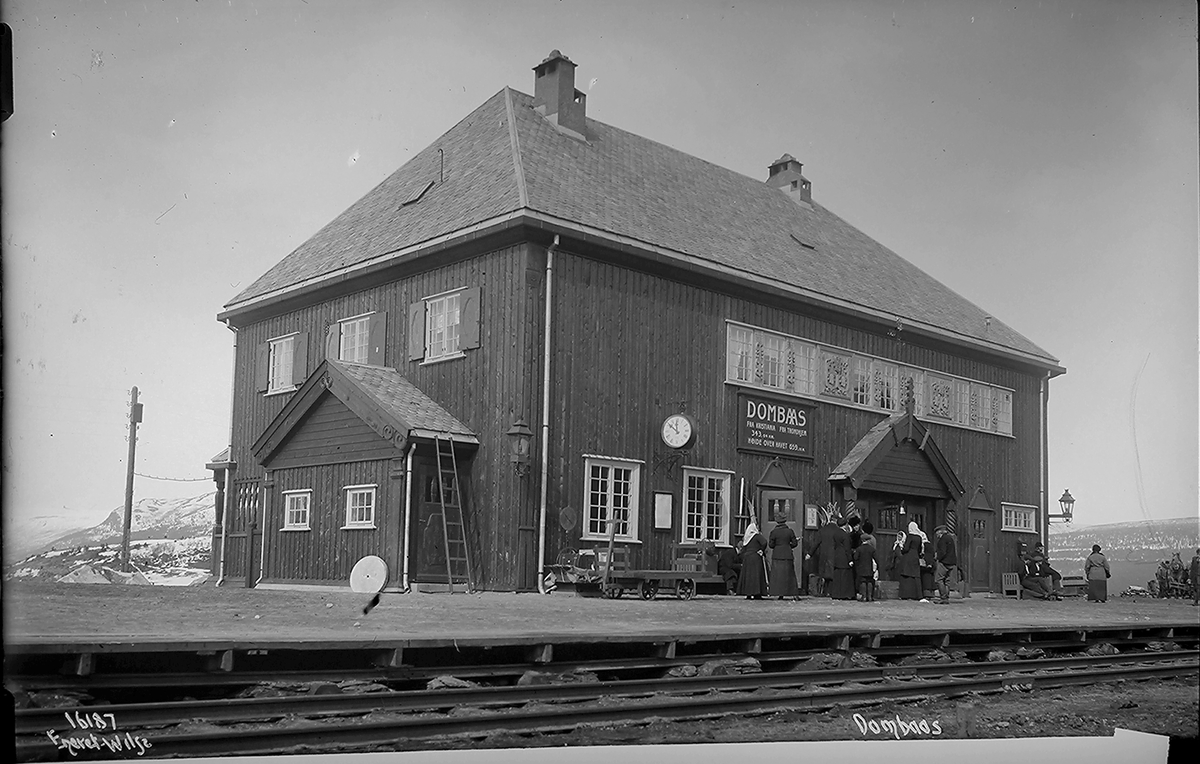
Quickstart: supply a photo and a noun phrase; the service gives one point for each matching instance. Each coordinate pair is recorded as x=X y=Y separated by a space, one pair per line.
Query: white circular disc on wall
x=369 y=575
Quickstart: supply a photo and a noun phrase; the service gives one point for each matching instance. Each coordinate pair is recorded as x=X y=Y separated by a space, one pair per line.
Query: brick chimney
x=785 y=174
x=555 y=96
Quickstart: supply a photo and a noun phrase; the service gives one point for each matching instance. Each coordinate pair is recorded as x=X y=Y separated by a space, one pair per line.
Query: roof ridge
x=515 y=142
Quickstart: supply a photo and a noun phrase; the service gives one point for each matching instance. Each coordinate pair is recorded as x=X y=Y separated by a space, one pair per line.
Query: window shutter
x=333 y=341
x=416 y=331
x=262 y=367
x=376 y=338
x=300 y=358
x=469 y=317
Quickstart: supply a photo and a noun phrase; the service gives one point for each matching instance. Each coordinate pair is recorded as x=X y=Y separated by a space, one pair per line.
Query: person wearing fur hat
x=783 y=564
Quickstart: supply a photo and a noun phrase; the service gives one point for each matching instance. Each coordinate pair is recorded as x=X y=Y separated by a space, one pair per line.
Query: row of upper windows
x=612 y=493
x=441 y=328
x=773 y=361
x=359 y=503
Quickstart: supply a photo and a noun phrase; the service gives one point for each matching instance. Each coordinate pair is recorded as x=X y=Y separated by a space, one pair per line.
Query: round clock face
x=677 y=431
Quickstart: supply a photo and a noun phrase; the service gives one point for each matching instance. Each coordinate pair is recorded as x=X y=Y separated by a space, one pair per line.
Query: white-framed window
x=1004 y=421
x=611 y=490
x=860 y=381
x=360 y=506
x=354 y=339
x=1019 y=517
x=443 y=326
x=705 y=506
x=741 y=353
x=770 y=357
x=296 y=508
x=281 y=364
x=806 y=368
x=886 y=393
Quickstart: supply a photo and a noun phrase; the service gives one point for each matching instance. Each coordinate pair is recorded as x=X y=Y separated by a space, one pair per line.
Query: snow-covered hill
x=170 y=543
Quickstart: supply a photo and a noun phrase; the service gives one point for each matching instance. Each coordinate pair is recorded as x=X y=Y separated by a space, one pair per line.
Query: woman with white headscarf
x=910 y=563
x=753 y=581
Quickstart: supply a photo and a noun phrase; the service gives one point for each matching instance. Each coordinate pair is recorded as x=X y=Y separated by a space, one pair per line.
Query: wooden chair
x=1011 y=585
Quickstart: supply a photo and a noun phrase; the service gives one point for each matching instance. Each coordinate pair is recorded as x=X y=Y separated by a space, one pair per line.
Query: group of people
x=843 y=563
x=1173 y=578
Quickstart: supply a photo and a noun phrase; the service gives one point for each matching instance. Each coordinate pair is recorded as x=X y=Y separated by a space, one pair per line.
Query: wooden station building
x=542 y=322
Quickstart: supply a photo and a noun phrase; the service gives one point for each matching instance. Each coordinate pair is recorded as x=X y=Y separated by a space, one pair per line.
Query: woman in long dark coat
x=753 y=580
x=910 y=564
x=783 y=565
x=843 y=572
x=1096 y=570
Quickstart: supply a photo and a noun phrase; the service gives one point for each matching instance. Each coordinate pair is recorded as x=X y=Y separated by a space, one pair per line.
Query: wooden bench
x=1011 y=585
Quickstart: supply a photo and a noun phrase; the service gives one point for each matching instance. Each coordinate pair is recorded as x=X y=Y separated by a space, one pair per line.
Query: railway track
x=360 y=721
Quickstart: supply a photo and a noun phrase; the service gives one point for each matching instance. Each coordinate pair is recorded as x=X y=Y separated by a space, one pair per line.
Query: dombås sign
x=775 y=426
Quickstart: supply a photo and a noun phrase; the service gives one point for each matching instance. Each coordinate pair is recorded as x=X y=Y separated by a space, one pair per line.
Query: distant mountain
x=152 y=519
x=170 y=543
x=1134 y=549
x=29 y=535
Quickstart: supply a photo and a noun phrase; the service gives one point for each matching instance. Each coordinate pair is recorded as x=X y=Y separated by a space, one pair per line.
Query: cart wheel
x=648 y=590
x=612 y=593
x=685 y=589
x=568 y=557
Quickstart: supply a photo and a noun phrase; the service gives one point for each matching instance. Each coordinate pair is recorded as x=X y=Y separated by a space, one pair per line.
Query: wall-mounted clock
x=679 y=431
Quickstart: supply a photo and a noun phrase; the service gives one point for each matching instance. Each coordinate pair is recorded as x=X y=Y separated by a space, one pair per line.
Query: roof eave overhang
x=555 y=225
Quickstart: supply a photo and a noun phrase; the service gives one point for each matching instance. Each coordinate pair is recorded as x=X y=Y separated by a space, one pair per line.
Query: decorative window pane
x=741 y=346
x=837 y=375
x=914 y=380
x=860 y=390
x=611 y=492
x=296 y=509
x=360 y=506
x=705 y=507
x=887 y=396
x=1019 y=517
x=941 y=398
x=354 y=337
x=282 y=353
x=889 y=517
x=442 y=326
x=770 y=351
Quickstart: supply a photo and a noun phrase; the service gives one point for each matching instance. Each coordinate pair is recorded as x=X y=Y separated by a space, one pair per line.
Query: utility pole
x=135 y=416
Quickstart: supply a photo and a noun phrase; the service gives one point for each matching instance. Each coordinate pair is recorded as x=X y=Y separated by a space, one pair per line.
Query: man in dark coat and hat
x=822 y=552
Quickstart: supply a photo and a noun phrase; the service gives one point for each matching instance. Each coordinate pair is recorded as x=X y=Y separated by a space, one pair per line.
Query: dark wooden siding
x=906 y=469
x=327 y=551
x=630 y=348
x=487 y=390
x=331 y=433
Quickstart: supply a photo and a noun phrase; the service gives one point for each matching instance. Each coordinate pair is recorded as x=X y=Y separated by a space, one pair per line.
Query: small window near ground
x=296 y=507
x=611 y=492
x=1019 y=517
x=360 y=506
x=705 y=506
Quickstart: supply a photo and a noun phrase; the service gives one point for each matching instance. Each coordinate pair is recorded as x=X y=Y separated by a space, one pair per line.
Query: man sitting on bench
x=1038 y=556
x=1037 y=583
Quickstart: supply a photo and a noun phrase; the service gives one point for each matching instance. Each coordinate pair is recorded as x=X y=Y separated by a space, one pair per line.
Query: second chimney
x=555 y=96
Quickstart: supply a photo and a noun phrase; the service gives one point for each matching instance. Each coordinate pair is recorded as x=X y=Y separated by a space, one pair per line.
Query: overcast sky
x=1040 y=159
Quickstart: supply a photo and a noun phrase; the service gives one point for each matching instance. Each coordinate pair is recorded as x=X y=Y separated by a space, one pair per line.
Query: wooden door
x=427 y=540
x=981 y=551
x=790 y=503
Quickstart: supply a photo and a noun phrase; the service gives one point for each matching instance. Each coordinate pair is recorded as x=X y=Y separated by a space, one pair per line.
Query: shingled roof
x=505 y=161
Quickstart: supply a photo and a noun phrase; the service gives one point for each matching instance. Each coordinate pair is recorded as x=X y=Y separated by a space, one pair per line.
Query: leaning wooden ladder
x=454 y=529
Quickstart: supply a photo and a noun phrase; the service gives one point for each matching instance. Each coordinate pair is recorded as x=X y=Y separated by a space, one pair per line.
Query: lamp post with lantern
x=1067 y=504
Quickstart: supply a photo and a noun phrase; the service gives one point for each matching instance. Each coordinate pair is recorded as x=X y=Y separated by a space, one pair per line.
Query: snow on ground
x=177 y=577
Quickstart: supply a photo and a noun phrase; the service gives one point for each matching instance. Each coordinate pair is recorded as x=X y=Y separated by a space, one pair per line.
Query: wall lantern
x=520 y=437
x=1067 y=503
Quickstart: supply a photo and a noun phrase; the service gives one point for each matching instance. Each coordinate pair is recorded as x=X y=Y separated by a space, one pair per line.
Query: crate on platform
x=887 y=590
